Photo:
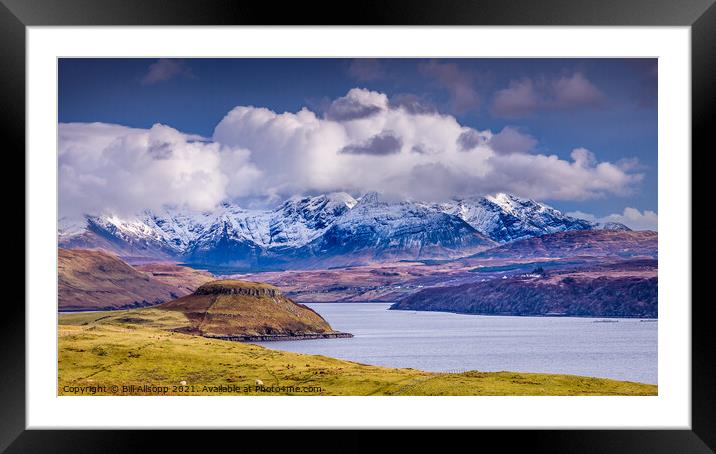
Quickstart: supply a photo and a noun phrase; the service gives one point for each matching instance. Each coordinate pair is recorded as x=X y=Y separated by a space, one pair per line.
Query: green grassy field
x=102 y=350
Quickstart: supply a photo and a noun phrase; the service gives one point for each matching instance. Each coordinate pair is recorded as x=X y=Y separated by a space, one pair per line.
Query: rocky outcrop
x=227 y=288
x=248 y=311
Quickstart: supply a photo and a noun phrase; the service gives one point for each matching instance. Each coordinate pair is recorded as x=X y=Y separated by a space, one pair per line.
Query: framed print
x=431 y=216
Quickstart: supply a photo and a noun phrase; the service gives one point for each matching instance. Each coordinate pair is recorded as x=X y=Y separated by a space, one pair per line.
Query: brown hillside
x=597 y=243
x=94 y=280
x=628 y=289
x=236 y=309
x=182 y=277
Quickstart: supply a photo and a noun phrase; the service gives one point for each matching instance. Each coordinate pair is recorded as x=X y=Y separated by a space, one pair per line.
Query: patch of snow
x=67 y=227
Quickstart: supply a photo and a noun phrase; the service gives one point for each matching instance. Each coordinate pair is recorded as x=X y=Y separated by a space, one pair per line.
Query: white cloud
x=631 y=217
x=110 y=168
x=427 y=152
x=459 y=83
x=518 y=100
x=524 y=97
x=366 y=144
x=576 y=90
x=357 y=104
x=382 y=144
x=511 y=140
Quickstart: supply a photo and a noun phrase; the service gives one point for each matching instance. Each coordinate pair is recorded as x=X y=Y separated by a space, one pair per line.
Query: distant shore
x=552 y=315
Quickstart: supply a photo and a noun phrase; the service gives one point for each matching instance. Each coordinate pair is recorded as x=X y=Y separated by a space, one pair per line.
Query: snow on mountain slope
x=246 y=238
x=176 y=228
x=373 y=230
x=505 y=217
x=323 y=226
x=69 y=227
x=612 y=226
x=300 y=220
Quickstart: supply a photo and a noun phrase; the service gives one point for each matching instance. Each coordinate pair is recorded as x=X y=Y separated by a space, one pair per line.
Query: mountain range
x=321 y=231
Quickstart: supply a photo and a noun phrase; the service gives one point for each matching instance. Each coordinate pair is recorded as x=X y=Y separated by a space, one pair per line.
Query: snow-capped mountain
x=505 y=217
x=377 y=230
x=300 y=220
x=612 y=226
x=329 y=229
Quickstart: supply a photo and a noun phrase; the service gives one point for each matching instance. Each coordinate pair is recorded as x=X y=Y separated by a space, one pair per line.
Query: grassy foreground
x=135 y=353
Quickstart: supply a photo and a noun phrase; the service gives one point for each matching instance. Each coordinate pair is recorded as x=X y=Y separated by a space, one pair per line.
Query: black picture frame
x=700 y=15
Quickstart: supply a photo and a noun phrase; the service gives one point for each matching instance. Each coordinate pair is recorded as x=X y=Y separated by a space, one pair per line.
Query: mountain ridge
x=332 y=229
x=599 y=243
x=505 y=217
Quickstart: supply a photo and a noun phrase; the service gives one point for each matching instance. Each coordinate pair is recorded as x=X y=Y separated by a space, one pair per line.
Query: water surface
x=623 y=349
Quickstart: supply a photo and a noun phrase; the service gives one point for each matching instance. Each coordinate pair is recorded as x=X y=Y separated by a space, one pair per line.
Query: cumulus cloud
x=358 y=103
x=518 y=100
x=576 y=90
x=470 y=139
x=381 y=144
x=412 y=104
x=459 y=83
x=525 y=96
x=421 y=149
x=165 y=69
x=631 y=217
x=265 y=156
x=110 y=168
x=402 y=151
x=511 y=140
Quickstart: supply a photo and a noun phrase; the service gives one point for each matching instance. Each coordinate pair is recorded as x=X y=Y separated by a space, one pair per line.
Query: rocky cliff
x=248 y=311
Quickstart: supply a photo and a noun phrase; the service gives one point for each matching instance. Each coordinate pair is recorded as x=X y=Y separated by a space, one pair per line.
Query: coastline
x=283 y=337
x=482 y=314
x=197 y=365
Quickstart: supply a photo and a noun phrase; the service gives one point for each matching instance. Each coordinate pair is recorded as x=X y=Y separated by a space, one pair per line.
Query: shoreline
x=596 y=317
x=205 y=362
x=632 y=317
x=283 y=337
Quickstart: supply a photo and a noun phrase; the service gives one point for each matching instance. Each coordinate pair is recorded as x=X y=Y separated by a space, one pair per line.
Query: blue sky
x=608 y=106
